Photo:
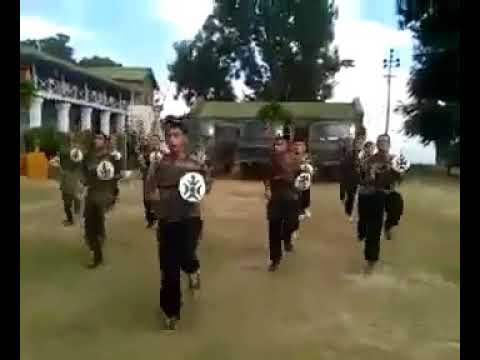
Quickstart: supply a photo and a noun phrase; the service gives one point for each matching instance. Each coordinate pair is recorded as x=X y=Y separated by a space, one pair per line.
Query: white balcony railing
x=72 y=91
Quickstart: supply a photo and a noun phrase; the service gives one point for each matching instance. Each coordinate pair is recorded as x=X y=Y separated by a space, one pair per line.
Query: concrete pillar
x=36 y=112
x=120 y=123
x=86 y=118
x=105 y=122
x=63 y=117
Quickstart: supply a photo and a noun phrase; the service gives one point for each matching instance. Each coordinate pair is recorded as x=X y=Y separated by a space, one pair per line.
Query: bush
x=84 y=139
x=27 y=91
x=48 y=139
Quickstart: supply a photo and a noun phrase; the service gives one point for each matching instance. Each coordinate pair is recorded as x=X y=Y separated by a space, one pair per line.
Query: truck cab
x=326 y=144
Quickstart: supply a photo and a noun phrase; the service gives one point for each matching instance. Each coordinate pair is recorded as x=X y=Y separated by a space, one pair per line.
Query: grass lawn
x=317 y=306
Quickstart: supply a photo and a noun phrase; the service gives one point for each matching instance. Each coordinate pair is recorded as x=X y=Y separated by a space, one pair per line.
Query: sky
x=142 y=32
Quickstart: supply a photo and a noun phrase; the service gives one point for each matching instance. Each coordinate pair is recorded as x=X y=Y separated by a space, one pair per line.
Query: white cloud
x=186 y=16
x=33 y=27
x=368 y=43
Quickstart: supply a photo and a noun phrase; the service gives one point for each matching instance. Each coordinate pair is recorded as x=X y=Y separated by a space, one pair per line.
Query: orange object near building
x=23 y=164
x=37 y=165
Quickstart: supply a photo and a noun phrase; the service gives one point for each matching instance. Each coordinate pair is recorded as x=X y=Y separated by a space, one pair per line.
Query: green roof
x=302 y=110
x=124 y=73
x=29 y=54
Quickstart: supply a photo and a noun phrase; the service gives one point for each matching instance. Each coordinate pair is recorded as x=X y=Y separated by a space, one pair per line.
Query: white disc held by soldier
x=307 y=168
x=303 y=181
x=156 y=156
x=76 y=155
x=117 y=155
x=400 y=164
x=192 y=187
x=105 y=170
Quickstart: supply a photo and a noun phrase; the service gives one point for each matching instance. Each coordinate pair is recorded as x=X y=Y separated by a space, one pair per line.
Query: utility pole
x=389 y=64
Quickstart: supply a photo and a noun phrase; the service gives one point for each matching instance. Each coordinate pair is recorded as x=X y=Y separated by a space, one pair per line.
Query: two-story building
x=141 y=81
x=70 y=97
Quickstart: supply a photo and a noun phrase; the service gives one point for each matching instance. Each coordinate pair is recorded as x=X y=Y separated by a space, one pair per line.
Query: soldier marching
x=283 y=206
x=69 y=162
x=177 y=182
x=101 y=173
x=381 y=172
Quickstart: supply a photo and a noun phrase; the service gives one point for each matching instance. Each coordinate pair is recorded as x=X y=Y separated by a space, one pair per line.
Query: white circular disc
x=192 y=187
x=105 y=170
x=76 y=155
x=303 y=181
x=155 y=156
x=400 y=164
x=117 y=155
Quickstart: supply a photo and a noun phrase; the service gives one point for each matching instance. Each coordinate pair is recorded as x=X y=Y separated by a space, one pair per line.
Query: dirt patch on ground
x=317 y=306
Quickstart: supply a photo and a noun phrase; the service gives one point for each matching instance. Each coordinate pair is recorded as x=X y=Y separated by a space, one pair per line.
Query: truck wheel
x=244 y=171
x=319 y=174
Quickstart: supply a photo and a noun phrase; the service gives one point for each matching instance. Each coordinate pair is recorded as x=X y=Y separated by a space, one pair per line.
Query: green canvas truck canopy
x=229 y=110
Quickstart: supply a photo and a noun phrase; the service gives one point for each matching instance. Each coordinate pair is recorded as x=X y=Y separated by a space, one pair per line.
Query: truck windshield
x=329 y=131
x=255 y=130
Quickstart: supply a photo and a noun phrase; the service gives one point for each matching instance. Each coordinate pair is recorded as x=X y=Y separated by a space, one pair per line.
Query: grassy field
x=317 y=306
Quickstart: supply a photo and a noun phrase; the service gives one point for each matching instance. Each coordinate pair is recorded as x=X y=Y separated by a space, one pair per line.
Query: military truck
x=235 y=137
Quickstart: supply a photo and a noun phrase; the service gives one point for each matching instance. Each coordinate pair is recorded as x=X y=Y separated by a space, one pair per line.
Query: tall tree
x=282 y=47
x=57 y=46
x=202 y=67
x=98 y=61
x=434 y=111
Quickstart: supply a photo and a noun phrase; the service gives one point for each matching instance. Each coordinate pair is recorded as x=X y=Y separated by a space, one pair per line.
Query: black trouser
x=95 y=227
x=342 y=191
x=149 y=212
x=304 y=200
x=362 y=216
x=350 y=193
x=394 y=209
x=70 y=201
x=177 y=243
x=280 y=231
x=374 y=207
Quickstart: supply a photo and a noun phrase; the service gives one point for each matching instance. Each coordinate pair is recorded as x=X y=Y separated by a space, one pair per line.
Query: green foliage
x=282 y=49
x=274 y=113
x=84 y=139
x=98 y=61
x=27 y=91
x=434 y=112
x=202 y=67
x=48 y=139
x=57 y=46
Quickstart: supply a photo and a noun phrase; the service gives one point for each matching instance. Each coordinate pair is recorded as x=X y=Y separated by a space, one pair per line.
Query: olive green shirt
x=100 y=191
x=70 y=173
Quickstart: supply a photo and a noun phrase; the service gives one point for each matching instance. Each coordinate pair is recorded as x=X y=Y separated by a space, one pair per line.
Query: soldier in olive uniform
x=380 y=179
x=70 y=175
x=306 y=165
x=101 y=173
x=179 y=221
x=283 y=207
x=350 y=176
x=363 y=190
x=117 y=156
x=145 y=151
